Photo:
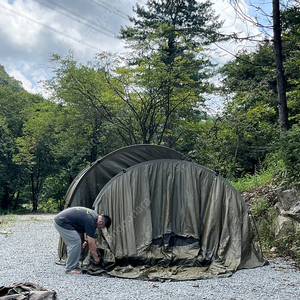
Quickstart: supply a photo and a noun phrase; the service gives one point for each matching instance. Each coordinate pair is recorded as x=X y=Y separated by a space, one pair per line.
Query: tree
x=85 y=88
x=168 y=40
x=251 y=114
x=143 y=99
x=152 y=94
x=126 y=101
x=290 y=19
x=281 y=84
x=276 y=25
x=34 y=147
x=9 y=82
x=250 y=81
x=171 y=28
x=13 y=100
x=7 y=169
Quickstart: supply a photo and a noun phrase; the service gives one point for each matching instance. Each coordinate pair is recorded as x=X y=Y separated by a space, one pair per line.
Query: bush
x=289 y=246
x=290 y=152
x=259 y=207
x=250 y=182
x=264 y=217
x=49 y=206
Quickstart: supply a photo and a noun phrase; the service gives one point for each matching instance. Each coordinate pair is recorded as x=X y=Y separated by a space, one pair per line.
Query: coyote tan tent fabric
x=174 y=219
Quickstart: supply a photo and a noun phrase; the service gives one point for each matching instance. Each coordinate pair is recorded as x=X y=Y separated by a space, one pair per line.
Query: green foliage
x=251 y=115
x=170 y=66
x=290 y=153
x=172 y=26
x=34 y=146
x=156 y=95
x=291 y=52
x=266 y=230
x=259 y=207
x=51 y=197
x=13 y=103
x=49 y=206
x=83 y=91
x=9 y=82
x=252 y=74
x=250 y=118
x=264 y=216
x=195 y=142
x=260 y=178
x=289 y=246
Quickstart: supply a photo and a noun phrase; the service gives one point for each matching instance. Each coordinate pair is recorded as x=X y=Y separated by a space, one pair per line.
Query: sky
x=32 y=30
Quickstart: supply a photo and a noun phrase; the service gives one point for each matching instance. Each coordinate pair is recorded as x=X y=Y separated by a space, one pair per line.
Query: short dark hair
x=107 y=221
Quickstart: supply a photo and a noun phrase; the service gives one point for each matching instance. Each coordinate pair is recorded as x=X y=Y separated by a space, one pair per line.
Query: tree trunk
x=33 y=191
x=281 y=85
x=17 y=200
x=5 y=203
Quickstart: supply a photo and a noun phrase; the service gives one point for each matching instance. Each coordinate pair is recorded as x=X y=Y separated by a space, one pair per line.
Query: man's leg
x=73 y=242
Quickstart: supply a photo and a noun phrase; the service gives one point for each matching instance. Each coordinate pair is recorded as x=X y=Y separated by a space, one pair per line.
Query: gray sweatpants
x=73 y=241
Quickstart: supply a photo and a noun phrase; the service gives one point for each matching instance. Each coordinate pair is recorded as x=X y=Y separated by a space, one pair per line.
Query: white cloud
x=24 y=32
x=30 y=32
x=27 y=84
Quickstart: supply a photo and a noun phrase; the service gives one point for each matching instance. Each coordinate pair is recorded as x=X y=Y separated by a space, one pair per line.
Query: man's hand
x=84 y=244
x=97 y=261
x=93 y=250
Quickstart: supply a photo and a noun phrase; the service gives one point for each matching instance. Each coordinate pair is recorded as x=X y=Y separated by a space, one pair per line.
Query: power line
x=93 y=25
x=50 y=28
x=110 y=8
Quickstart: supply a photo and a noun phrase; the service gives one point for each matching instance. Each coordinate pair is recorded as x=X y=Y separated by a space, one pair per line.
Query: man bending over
x=72 y=221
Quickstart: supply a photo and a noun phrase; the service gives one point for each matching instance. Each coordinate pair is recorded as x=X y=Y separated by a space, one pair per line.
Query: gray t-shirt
x=81 y=219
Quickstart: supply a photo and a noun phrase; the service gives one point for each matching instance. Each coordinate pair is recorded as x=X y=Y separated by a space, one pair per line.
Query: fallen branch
x=5 y=232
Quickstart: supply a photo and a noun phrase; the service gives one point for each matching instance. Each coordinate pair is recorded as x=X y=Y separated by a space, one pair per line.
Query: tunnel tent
x=174 y=220
x=88 y=183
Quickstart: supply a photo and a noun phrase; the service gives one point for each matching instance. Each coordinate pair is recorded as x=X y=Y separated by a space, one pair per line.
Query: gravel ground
x=28 y=251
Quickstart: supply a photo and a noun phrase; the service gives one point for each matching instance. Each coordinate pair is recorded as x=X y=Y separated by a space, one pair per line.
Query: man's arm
x=93 y=249
x=85 y=242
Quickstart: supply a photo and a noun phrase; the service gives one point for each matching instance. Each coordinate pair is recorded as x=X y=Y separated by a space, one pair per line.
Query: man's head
x=103 y=221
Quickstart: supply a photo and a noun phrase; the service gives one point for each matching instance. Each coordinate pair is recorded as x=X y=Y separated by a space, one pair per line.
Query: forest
x=156 y=94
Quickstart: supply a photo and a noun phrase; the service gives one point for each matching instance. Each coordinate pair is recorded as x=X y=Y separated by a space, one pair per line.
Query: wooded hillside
x=156 y=95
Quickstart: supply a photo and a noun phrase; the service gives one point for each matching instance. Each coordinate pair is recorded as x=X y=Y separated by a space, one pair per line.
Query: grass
x=289 y=246
x=251 y=182
x=6 y=221
x=36 y=219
